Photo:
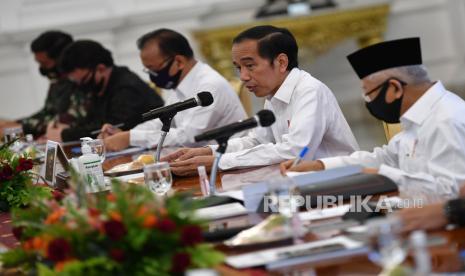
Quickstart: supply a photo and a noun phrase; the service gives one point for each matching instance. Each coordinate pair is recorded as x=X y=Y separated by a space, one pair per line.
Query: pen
x=302 y=154
x=98 y=131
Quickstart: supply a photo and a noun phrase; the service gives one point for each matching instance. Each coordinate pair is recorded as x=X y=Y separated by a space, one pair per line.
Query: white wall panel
x=118 y=23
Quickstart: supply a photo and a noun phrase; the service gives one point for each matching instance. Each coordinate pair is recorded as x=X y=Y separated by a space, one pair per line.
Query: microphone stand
x=222 y=145
x=166 y=121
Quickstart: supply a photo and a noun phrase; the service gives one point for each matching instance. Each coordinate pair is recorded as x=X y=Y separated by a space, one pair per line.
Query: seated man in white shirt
x=306 y=111
x=427 y=158
x=171 y=65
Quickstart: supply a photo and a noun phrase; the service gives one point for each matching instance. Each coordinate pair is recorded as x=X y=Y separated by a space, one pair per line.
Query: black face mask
x=380 y=109
x=163 y=79
x=90 y=85
x=50 y=73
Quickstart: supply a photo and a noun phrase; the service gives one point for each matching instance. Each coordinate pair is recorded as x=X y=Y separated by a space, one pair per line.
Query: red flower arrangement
x=58 y=250
x=114 y=229
x=130 y=234
x=16 y=188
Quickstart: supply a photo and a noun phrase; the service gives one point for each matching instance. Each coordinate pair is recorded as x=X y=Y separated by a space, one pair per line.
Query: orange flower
x=96 y=223
x=163 y=212
x=149 y=221
x=55 y=216
x=38 y=243
x=27 y=245
x=111 y=197
x=59 y=266
x=115 y=215
x=142 y=211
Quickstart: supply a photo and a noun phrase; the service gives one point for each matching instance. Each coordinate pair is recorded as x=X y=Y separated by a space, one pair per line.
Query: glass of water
x=284 y=196
x=98 y=147
x=386 y=243
x=12 y=133
x=158 y=177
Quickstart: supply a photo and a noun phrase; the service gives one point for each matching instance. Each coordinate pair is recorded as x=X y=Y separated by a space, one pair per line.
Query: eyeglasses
x=386 y=82
x=155 y=73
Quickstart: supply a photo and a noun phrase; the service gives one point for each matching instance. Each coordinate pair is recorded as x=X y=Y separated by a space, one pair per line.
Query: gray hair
x=412 y=74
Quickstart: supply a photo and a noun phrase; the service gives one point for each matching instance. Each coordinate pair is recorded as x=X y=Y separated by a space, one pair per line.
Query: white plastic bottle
x=418 y=243
x=91 y=170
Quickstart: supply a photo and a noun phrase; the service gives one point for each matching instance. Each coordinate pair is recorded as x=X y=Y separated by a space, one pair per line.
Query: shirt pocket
x=411 y=155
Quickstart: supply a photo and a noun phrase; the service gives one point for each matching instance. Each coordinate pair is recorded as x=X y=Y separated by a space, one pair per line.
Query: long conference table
x=445 y=256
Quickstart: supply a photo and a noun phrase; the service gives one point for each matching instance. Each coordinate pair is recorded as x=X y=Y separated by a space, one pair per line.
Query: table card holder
x=54 y=155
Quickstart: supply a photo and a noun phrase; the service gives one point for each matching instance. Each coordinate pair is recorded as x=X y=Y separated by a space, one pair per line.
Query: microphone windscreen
x=205 y=98
x=265 y=117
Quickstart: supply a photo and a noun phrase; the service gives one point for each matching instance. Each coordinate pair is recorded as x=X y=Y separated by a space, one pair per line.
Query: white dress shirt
x=428 y=156
x=226 y=109
x=307 y=114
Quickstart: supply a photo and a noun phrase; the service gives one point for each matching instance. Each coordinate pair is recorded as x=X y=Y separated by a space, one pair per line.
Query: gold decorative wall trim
x=315 y=34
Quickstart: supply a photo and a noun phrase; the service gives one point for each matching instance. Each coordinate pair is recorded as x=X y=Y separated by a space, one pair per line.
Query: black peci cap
x=386 y=55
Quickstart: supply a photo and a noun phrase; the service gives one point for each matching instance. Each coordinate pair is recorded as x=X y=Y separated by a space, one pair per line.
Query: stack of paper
x=290 y=255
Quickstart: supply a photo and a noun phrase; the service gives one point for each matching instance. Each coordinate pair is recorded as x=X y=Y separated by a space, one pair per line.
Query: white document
x=304 y=179
x=221 y=211
x=253 y=193
x=263 y=257
x=127 y=151
x=294 y=174
x=236 y=194
x=126 y=178
x=317 y=214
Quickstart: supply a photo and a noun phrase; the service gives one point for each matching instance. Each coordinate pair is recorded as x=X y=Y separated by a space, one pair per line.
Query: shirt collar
x=185 y=86
x=418 y=112
x=286 y=89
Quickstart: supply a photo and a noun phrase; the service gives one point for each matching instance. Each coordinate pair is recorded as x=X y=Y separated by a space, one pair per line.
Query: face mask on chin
x=380 y=109
x=90 y=85
x=50 y=73
x=163 y=79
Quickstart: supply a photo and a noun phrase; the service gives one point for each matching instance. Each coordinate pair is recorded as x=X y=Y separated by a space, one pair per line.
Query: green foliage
x=15 y=257
x=128 y=232
x=203 y=255
x=90 y=267
x=16 y=188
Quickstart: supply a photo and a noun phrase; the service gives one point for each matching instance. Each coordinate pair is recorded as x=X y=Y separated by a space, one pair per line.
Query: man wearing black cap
x=426 y=159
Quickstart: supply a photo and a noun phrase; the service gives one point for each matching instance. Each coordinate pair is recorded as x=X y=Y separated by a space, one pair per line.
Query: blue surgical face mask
x=163 y=79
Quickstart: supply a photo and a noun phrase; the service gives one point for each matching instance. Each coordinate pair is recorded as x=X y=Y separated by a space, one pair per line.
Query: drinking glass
x=98 y=147
x=386 y=244
x=158 y=177
x=285 y=198
x=12 y=133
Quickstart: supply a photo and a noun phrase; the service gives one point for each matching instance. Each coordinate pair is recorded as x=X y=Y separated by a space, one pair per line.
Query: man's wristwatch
x=455 y=211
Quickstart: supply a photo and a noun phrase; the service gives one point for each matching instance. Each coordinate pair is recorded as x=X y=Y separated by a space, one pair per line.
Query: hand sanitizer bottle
x=91 y=170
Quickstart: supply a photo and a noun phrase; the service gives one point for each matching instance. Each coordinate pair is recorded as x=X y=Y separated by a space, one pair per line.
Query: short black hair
x=51 y=42
x=272 y=41
x=171 y=43
x=85 y=54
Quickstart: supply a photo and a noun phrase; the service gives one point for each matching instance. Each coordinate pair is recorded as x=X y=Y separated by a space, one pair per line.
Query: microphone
x=202 y=99
x=263 y=118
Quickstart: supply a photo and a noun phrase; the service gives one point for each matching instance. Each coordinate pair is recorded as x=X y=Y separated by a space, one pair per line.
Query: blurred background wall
x=118 y=23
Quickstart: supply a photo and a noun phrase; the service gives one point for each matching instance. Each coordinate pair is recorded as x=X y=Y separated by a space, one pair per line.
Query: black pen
x=98 y=131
